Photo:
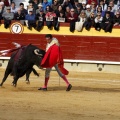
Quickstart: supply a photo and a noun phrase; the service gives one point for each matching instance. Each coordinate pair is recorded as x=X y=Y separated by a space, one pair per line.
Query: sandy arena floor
x=94 y=96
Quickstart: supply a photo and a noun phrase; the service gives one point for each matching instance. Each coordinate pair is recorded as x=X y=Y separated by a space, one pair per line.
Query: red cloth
x=52 y=57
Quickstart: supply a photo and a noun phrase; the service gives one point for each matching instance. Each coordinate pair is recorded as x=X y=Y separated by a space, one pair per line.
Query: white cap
x=83 y=2
x=31 y=9
x=87 y=6
x=40 y=4
x=1 y=3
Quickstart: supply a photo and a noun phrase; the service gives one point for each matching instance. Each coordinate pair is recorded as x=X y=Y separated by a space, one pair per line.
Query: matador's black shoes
x=44 y=89
x=69 y=87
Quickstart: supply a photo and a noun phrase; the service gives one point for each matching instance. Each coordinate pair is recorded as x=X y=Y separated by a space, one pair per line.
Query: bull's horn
x=36 y=51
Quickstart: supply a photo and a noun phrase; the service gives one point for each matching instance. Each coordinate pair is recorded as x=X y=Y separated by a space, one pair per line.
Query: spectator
x=13 y=7
x=59 y=9
x=109 y=9
x=114 y=7
x=83 y=5
x=81 y=20
x=67 y=11
x=66 y=3
x=6 y=3
x=93 y=7
x=1 y=10
x=103 y=5
x=30 y=6
x=72 y=17
x=47 y=9
x=40 y=17
x=7 y=16
x=23 y=10
x=76 y=4
x=55 y=5
x=39 y=8
x=107 y=22
x=99 y=10
x=35 y=4
x=50 y=18
x=19 y=15
x=88 y=10
x=30 y=19
x=45 y=4
x=98 y=21
x=116 y=19
x=90 y=21
x=90 y=1
x=78 y=10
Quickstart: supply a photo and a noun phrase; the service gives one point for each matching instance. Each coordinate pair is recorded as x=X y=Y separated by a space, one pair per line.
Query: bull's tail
x=35 y=72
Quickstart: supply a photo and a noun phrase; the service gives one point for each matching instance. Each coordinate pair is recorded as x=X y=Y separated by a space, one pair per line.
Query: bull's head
x=40 y=54
x=36 y=51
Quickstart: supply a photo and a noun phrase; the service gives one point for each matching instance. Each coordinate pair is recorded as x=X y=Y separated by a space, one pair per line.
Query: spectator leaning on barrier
x=116 y=19
x=50 y=18
x=90 y=21
x=19 y=15
x=40 y=17
x=107 y=22
x=30 y=19
x=98 y=21
x=72 y=17
x=7 y=16
x=81 y=20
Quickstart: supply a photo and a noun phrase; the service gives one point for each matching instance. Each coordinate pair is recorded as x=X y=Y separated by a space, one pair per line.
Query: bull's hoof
x=13 y=84
x=27 y=82
x=0 y=85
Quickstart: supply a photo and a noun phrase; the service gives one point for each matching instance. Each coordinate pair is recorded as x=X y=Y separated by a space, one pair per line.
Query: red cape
x=52 y=57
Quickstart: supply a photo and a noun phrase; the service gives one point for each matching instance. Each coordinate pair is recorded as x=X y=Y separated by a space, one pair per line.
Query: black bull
x=30 y=56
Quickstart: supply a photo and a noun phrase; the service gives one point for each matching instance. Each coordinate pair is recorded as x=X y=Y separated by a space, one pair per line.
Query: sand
x=94 y=96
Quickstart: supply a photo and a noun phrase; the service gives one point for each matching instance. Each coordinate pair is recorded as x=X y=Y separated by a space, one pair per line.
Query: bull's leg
x=35 y=72
x=15 y=81
x=28 y=75
x=7 y=72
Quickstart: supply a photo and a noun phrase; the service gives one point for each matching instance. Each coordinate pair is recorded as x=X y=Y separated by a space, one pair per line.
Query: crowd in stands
x=100 y=14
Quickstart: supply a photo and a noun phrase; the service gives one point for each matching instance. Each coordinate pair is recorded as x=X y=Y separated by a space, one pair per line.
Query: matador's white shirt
x=54 y=41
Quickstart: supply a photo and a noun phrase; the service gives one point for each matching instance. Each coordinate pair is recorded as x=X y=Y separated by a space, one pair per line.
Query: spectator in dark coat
x=98 y=21
x=107 y=22
x=72 y=17
x=116 y=19
x=90 y=22
x=66 y=3
x=23 y=10
x=40 y=17
x=19 y=15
